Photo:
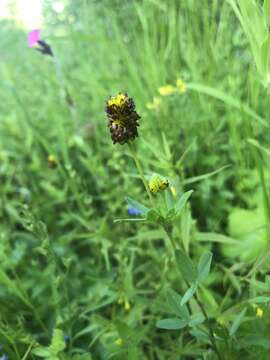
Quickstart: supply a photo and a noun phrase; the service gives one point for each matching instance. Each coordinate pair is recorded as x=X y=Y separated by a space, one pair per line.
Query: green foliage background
x=65 y=267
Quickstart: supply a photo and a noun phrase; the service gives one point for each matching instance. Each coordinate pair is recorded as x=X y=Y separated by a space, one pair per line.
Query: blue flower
x=133 y=211
x=66 y=338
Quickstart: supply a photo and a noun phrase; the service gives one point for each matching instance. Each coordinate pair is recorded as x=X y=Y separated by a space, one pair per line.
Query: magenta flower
x=33 y=37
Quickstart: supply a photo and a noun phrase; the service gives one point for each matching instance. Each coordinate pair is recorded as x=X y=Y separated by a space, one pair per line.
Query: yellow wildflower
x=173 y=191
x=127 y=305
x=117 y=100
x=119 y=342
x=167 y=90
x=259 y=312
x=155 y=105
x=181 y=86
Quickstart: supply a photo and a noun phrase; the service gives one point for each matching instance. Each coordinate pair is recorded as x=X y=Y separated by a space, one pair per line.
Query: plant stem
x=198 y=301
x=264 y=188
x=25 y=298
x=28 y=350
x=140 y=170
x=63 y=88
x=166 y=229
x=210 y=329
x=257 y=158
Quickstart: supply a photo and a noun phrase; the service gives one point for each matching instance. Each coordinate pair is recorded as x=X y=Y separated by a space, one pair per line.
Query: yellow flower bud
x=173 y=191
x=259 y=312
x=119 y=342
x=127 y=305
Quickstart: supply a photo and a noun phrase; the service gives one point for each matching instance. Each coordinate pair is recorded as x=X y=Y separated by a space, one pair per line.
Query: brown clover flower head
x=122 y=118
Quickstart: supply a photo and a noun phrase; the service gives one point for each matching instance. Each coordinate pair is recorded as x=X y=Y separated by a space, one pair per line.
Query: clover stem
x=140 y=170
x=168 y=232
x=209 y=326
x=201 y=306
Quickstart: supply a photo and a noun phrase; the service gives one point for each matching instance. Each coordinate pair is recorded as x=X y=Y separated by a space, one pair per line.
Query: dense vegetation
x=74 y=282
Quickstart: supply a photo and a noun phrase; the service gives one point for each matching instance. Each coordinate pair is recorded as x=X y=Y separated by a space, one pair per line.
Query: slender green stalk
x=25 y=298
x=28 y=350
x=210 y=329
x=263 y=184
x=200 y=304
x=63 y=88
x=8 y=337
x=257 y=158
x=167 y=230
x=140 y=170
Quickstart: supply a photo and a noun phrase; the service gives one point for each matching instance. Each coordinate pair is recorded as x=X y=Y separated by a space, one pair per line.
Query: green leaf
x=169 y=200
x=166 y=146
x=259 y=300
x=186 y=228
x=266 y=11
x=153 y=216
x=185 y=266
x=148 y=235
x=58 y=342
x=57 y=345
x=135 y=204
x=171 y=324
x=237 y=322
x=189 y=293
x=129 y=220
x=256 y=340
x=202 y=177
x=204 y=266
x=41 y=351
x=170 y=215
x=174 y=302
x=265 y=55
x=214 y=237
x=196 y=319
x=199 y=334
x=181 y=202
x=256 y=144
x=227 y=99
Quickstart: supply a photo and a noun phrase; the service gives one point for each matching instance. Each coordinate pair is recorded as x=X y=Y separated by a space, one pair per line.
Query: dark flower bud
x=122 y=118
x=44 y=48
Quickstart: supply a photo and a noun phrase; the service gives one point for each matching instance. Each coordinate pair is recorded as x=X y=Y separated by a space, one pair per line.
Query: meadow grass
x=75 y=283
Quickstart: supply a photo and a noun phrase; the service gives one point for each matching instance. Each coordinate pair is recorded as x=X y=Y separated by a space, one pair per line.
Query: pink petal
x=33 y=37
